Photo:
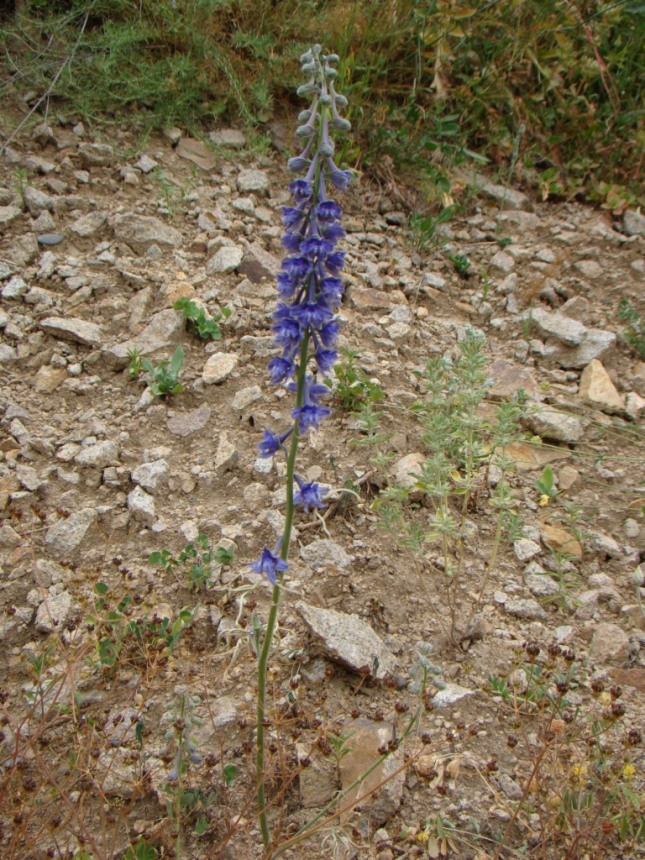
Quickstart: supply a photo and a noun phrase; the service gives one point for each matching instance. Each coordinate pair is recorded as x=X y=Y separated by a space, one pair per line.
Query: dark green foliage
x=163 y=380
x=203 y=326
x=196 y=563
x=352 y=385
x=545 y=90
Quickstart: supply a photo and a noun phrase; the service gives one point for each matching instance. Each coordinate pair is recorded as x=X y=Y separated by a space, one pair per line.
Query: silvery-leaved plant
x=305 y=328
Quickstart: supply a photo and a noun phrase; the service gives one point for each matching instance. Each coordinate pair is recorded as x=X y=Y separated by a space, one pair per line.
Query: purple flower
x=328 y=211
x=269 y=565
x=309 y=495
x=335 y=262
x=300 y=189
x=271 y=443
x=313 y=315
x=340 y=178
x=297 y=267
x=328 y=333
x=291 y=242
x=333 y=232
x=291 y=216
x=310 y=416
x=325 y=359
x=315 y=247
x=281 y=369
x=331 y=289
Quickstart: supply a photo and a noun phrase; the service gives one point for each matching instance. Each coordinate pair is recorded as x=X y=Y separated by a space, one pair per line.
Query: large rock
x=219 y=367
x=9 y=214
x=151 y=476
x=258 y=264
x=595 y=344
x=348 y=640
x=227 y=259
x=553 y=424
x=164 y=330
x=78 y=331
x=99 y=456
x=560 y=540
x=325 y=553
x=88 y=225
x=54 y=612
x=66 y=536
x=509 y=378
x=378 y=793
x=96 y=154
x=557 y=326
x=597 y=388
x=610 y=644
x=141 y=230
x=187 y=423
x=252 y=180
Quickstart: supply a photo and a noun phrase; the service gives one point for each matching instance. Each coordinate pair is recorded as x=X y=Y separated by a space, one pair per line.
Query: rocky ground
x=98 y=240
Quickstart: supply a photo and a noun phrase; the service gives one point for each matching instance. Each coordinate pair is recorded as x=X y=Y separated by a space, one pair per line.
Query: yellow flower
x=544 y=500
x=604 y=698
x=629 y=771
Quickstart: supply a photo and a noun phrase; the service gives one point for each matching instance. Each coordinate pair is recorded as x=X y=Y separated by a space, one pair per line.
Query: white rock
x=78 y=331
x=227 y=259
x=597 y=388
x=88 y=225
x=100 y=455
x=525 y=549
x=14 y=288
x=151 y=475
x=246 y=396
x=219 y=367
x=67 y=535
x=139 y=230
x=560 y=327
x=552 y=424
x=232 y=138
x=53 y=612
x=503 y=261
x=142 y=506
x=252 y=180
x=588 y=268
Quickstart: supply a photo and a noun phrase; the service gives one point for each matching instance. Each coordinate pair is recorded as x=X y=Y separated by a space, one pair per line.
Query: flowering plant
x=305 y=328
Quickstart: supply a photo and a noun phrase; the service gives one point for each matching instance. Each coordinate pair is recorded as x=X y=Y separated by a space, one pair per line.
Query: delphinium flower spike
x=305 y=327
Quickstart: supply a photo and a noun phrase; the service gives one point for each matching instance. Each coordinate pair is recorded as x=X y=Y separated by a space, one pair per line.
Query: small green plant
x=461 y=263
x=204 y=326
x=634 y=333
x=545 y=485
x=163 y=380
x=197 y=564
x=352 y=385
x=136 y=638
x=424 y=227
x=141 y=851
x=135 y=368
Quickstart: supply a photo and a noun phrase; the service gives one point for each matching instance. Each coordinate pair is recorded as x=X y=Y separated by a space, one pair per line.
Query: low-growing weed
x=634 y=333
x=461 y=263
x=205 y=327
x=135 y=367
x=196 y=565
x=163 y=380
x=352 y=386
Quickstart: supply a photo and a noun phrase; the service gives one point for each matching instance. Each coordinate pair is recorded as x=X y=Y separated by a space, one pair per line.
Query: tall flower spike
x=305 y=327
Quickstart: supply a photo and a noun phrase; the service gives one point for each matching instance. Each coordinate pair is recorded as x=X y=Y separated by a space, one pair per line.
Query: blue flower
x=281 y=369
x=269 y=565
x=335 y=262
x=325 y=359
x=291 y=242
x=300 y=189
x=310 y=415
x=328 y=211
x=309 y=495
x=271 y=443
x=340 y=178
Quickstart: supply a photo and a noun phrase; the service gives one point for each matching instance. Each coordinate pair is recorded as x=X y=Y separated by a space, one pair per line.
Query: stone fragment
x=245 y=396
x=9 y=214
x=49 y=239
x=196 y=152
x=14 y=288
x=552 y=424
x=151 y=476
x=507 y=198
x=503 y=262
x=142 y=506
x=258 y=264
x=610 y=644
x=187 y=423
x=541 y=585
x=70 y=328
x=509 y=378
x=226 y=455
x=348 y=640
x=36 y=201
x=366 y=740
x=324 y=553
x=605 y=544
x=403 y=470
x=99 y=456
x=526 y=609
x=369 y=299
x=54 y=612
x=22 y=250
x=595 y=344
x=252 y=180
x=557 y=326
x=146 y=164
x=227 y=259
x=164 y=330
x=7 y=353
x=449 y=694
x=317 y=780
x=219 y=367
x=96 y=154
x=597 y=388
x=560 y=540
x=141 y=230
x=67 y=535
x=232 y=138
x=588 y=269
x=88 y=225
x=634 y=222
x=525 y=549
x=634 y=405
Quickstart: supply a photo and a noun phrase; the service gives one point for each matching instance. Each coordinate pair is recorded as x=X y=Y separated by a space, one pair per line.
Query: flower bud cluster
x=305 y=325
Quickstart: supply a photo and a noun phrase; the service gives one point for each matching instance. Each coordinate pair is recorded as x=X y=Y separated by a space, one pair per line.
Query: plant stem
x=275 y=602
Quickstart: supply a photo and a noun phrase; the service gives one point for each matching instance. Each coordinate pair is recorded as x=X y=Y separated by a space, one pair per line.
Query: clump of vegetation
x=634 y=333
x=205 y=327
x=352 y=386
x=443 y=86
x=163 y=380
x=195 y=564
